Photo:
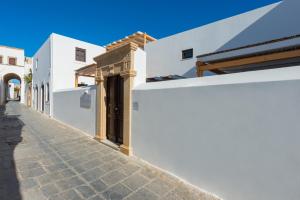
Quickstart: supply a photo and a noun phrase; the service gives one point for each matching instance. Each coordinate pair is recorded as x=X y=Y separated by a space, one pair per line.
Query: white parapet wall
x=77 y=108
x=237 y=135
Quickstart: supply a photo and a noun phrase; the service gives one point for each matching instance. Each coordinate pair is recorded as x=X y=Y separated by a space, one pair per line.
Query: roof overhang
x=89 y=70
x=282 y=44
x=274 y=50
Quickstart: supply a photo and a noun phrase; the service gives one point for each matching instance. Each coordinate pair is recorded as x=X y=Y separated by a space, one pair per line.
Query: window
x=36 y=63
x=80 y=54
x=12 y=61
x=47 y=92
x=188 y=53
x=1 y=59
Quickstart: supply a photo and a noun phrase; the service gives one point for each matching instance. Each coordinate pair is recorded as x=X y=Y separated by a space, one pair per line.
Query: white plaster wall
x=237 y=135
x=69 y=110
x=64 y=63
x=266 y=23
x=140 y=67
x=12 y=52
x=41 y=74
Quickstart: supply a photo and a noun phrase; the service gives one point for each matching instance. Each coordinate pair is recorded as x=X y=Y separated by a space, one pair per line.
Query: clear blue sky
x=27 y=23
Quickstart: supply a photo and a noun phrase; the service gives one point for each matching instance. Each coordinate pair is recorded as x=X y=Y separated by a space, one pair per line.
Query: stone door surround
x=118 y=61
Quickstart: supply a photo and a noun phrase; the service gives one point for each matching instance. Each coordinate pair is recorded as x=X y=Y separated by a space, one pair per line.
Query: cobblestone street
x=42 y=159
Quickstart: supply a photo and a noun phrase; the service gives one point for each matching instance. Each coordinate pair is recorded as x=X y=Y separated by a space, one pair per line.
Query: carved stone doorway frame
x=118 y=61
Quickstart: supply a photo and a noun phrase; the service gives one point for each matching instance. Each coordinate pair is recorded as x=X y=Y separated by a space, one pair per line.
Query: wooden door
x=114 y=114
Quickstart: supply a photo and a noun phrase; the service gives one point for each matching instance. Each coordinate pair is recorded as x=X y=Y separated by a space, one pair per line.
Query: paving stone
x=135 y=181
x=110 y=166
x=71 y=195
x=33 y=172
x=69 y=183
x=116 y=192
x=49 y=190
x=172 y=196
x=28 y=183
x=33 y=194
x=149 y=173
x=92 y=164
x=129 y=169
x=56 y=167
x=113 y=177
x=67 y=173
x=93 y=174
x=143 y=194
x=85 y=191
x=79 y=169
x=98 y=185
x=160 y=187
x=48 y=178
x=97 y=197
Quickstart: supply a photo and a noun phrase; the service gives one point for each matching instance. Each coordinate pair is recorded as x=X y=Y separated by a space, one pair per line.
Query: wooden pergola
x=139 y=38
x=220 y=66
x=88 y=71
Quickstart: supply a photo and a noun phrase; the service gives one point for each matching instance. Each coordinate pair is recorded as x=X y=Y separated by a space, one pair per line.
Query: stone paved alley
x=43 y=159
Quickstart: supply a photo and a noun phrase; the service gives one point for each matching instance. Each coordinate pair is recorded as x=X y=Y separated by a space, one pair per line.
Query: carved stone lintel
x=128 y=73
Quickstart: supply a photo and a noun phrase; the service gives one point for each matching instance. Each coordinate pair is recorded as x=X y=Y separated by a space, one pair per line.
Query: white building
x=176 y=54
x=13 y=65
x=54 y=66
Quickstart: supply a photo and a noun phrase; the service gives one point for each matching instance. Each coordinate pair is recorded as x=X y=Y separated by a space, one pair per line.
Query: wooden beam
x=76 y=80
x=217 y=71
x=250 y=60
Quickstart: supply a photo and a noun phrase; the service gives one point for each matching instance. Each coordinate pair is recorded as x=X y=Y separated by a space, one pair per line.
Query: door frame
x=117 y=61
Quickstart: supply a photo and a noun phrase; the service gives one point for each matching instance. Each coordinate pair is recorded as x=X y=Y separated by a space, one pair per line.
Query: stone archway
x=6 y=79
x=116 y=62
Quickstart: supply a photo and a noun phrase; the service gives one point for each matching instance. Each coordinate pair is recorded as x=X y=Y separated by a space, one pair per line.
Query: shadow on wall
x=10 y=136
x=281 y=21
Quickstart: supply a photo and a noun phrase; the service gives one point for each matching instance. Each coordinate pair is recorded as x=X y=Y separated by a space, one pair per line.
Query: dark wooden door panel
x=114 y=116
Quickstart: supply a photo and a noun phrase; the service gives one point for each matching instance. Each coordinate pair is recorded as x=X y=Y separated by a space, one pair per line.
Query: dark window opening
x=188 y=53
x=12 y=61
x=1 y=59
x=80 y=54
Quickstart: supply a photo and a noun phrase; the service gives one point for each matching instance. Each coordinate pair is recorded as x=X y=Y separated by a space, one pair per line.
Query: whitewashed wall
x=237 y=135
x=64 y=63
x=41 y=75
x=263 y=24
x=57 y=64
x=77 y=108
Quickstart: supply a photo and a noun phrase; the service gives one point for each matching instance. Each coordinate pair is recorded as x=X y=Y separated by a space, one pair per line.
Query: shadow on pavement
x=10 y=136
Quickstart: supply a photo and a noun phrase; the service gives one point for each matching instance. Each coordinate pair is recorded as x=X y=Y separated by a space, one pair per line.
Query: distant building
x=13 y=65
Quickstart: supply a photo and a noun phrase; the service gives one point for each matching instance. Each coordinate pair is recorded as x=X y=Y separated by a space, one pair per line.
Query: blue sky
x=26 y=24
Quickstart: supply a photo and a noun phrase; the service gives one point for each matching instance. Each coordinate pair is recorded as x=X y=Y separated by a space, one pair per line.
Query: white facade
x=235 y=135
x=16 y=71
x=164 y=56
x=54 y=66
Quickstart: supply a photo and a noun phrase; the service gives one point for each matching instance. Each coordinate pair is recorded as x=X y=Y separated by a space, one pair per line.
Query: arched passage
x=12 y=93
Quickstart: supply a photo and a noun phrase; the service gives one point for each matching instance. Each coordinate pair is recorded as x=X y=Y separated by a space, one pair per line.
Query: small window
x=80 y=54
x=36 y=63
x=188 y=53
x=1 y=59
x=12 y=61
x=47 y=92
